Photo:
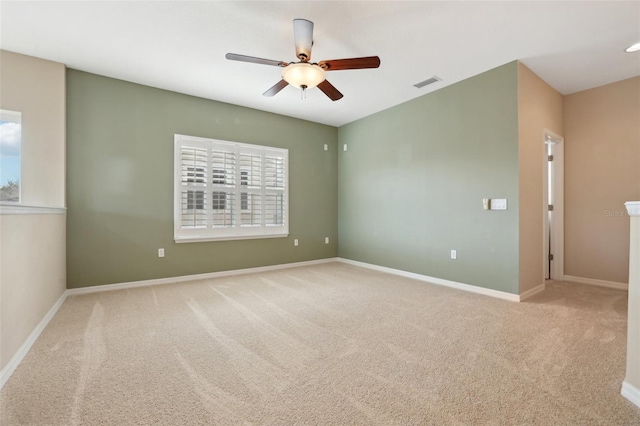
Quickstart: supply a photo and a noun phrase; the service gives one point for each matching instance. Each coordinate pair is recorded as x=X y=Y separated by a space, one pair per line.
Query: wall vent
x=428 y=81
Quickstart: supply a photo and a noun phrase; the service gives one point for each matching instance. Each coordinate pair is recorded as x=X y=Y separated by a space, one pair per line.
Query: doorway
x=553 y=206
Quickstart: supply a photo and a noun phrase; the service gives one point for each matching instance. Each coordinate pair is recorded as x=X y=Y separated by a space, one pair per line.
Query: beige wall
x=32 y=246
x=539 y=108
x=32 y=277
x=602 y=171
x=36 y=88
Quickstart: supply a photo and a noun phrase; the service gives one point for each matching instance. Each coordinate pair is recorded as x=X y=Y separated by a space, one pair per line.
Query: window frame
x=235 y=231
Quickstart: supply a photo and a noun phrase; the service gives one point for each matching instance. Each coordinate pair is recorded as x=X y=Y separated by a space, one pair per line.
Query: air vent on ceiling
x=430 y=80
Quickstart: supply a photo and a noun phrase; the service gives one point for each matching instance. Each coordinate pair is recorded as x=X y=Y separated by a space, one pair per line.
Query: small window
x=227 y=190
x=10 y=156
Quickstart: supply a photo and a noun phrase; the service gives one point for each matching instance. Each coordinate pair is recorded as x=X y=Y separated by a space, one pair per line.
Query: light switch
x=498 y=204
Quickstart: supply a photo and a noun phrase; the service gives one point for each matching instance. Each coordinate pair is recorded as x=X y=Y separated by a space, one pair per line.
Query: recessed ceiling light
x=633 y=48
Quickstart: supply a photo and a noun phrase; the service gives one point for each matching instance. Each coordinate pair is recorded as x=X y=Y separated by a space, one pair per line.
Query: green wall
x=120 y=182
x=413 y=178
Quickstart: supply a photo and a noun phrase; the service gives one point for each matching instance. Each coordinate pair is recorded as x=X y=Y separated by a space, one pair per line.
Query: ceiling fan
x=305 y=74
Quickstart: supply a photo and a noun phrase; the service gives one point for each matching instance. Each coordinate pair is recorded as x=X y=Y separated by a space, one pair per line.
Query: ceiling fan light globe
x=633 y=48
x=303 y=74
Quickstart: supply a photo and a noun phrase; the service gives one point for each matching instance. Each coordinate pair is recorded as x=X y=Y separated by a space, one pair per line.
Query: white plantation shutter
x=193 y=187
x=223 y=180
x=275 y=202
x=227 y=190
x=251 y=187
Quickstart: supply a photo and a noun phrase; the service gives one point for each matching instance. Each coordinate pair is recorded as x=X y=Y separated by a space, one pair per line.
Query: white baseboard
x=171 y=280
x=439 y=281
x=631 y=392
x=527 y=294
x=599 y=283
x=13 y=363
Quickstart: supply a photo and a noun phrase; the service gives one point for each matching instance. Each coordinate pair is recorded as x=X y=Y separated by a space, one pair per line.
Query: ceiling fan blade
x=350 y=63
x=330 y=90
x=276 y=88
x=244 y=58
x=303 y=37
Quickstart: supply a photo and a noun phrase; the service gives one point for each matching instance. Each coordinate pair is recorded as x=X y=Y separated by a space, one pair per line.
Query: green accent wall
x=412 y=180
x=120 y=182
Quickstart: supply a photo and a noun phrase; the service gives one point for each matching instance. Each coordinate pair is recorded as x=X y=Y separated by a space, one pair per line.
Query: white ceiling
x=180 y=45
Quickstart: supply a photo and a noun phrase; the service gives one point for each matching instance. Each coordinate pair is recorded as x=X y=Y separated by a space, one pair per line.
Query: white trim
x=438 y=281
x=180 y=240
x=532 y=292
x=17 y=358
x=24 y=209
x=599 y=283
x=633 y=208
x=209 y=275
x=235 y=230
x=630 y=392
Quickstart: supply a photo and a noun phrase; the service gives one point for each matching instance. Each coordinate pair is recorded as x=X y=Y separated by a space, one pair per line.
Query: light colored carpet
x=327 y=344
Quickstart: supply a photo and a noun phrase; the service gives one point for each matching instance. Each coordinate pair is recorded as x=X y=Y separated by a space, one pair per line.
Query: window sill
x=24 y=209
x=227 y=238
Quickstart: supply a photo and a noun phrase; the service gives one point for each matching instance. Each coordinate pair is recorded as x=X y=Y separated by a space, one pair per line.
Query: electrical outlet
x=295 y=242
x=454 y=254
x=344 y=147
x=326 y=147
x=160 y=252
x=326 y=240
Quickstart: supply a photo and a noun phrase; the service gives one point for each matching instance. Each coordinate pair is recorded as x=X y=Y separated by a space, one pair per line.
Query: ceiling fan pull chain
x=303 y=95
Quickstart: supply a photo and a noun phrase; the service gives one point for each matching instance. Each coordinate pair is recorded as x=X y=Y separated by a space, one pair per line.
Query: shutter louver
x=252 y=216
x=223 y=164
x=251 y=183
x=223 y=211
x=274 y=187
x=274 y=209
x=274 y=172
x=193 y=178
x=223 y=180
x=251 y=164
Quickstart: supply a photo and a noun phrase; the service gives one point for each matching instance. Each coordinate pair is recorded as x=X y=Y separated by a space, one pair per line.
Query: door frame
x=557 y=229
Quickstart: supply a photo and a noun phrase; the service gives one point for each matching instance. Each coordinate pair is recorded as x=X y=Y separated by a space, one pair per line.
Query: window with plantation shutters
x=227 y=190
